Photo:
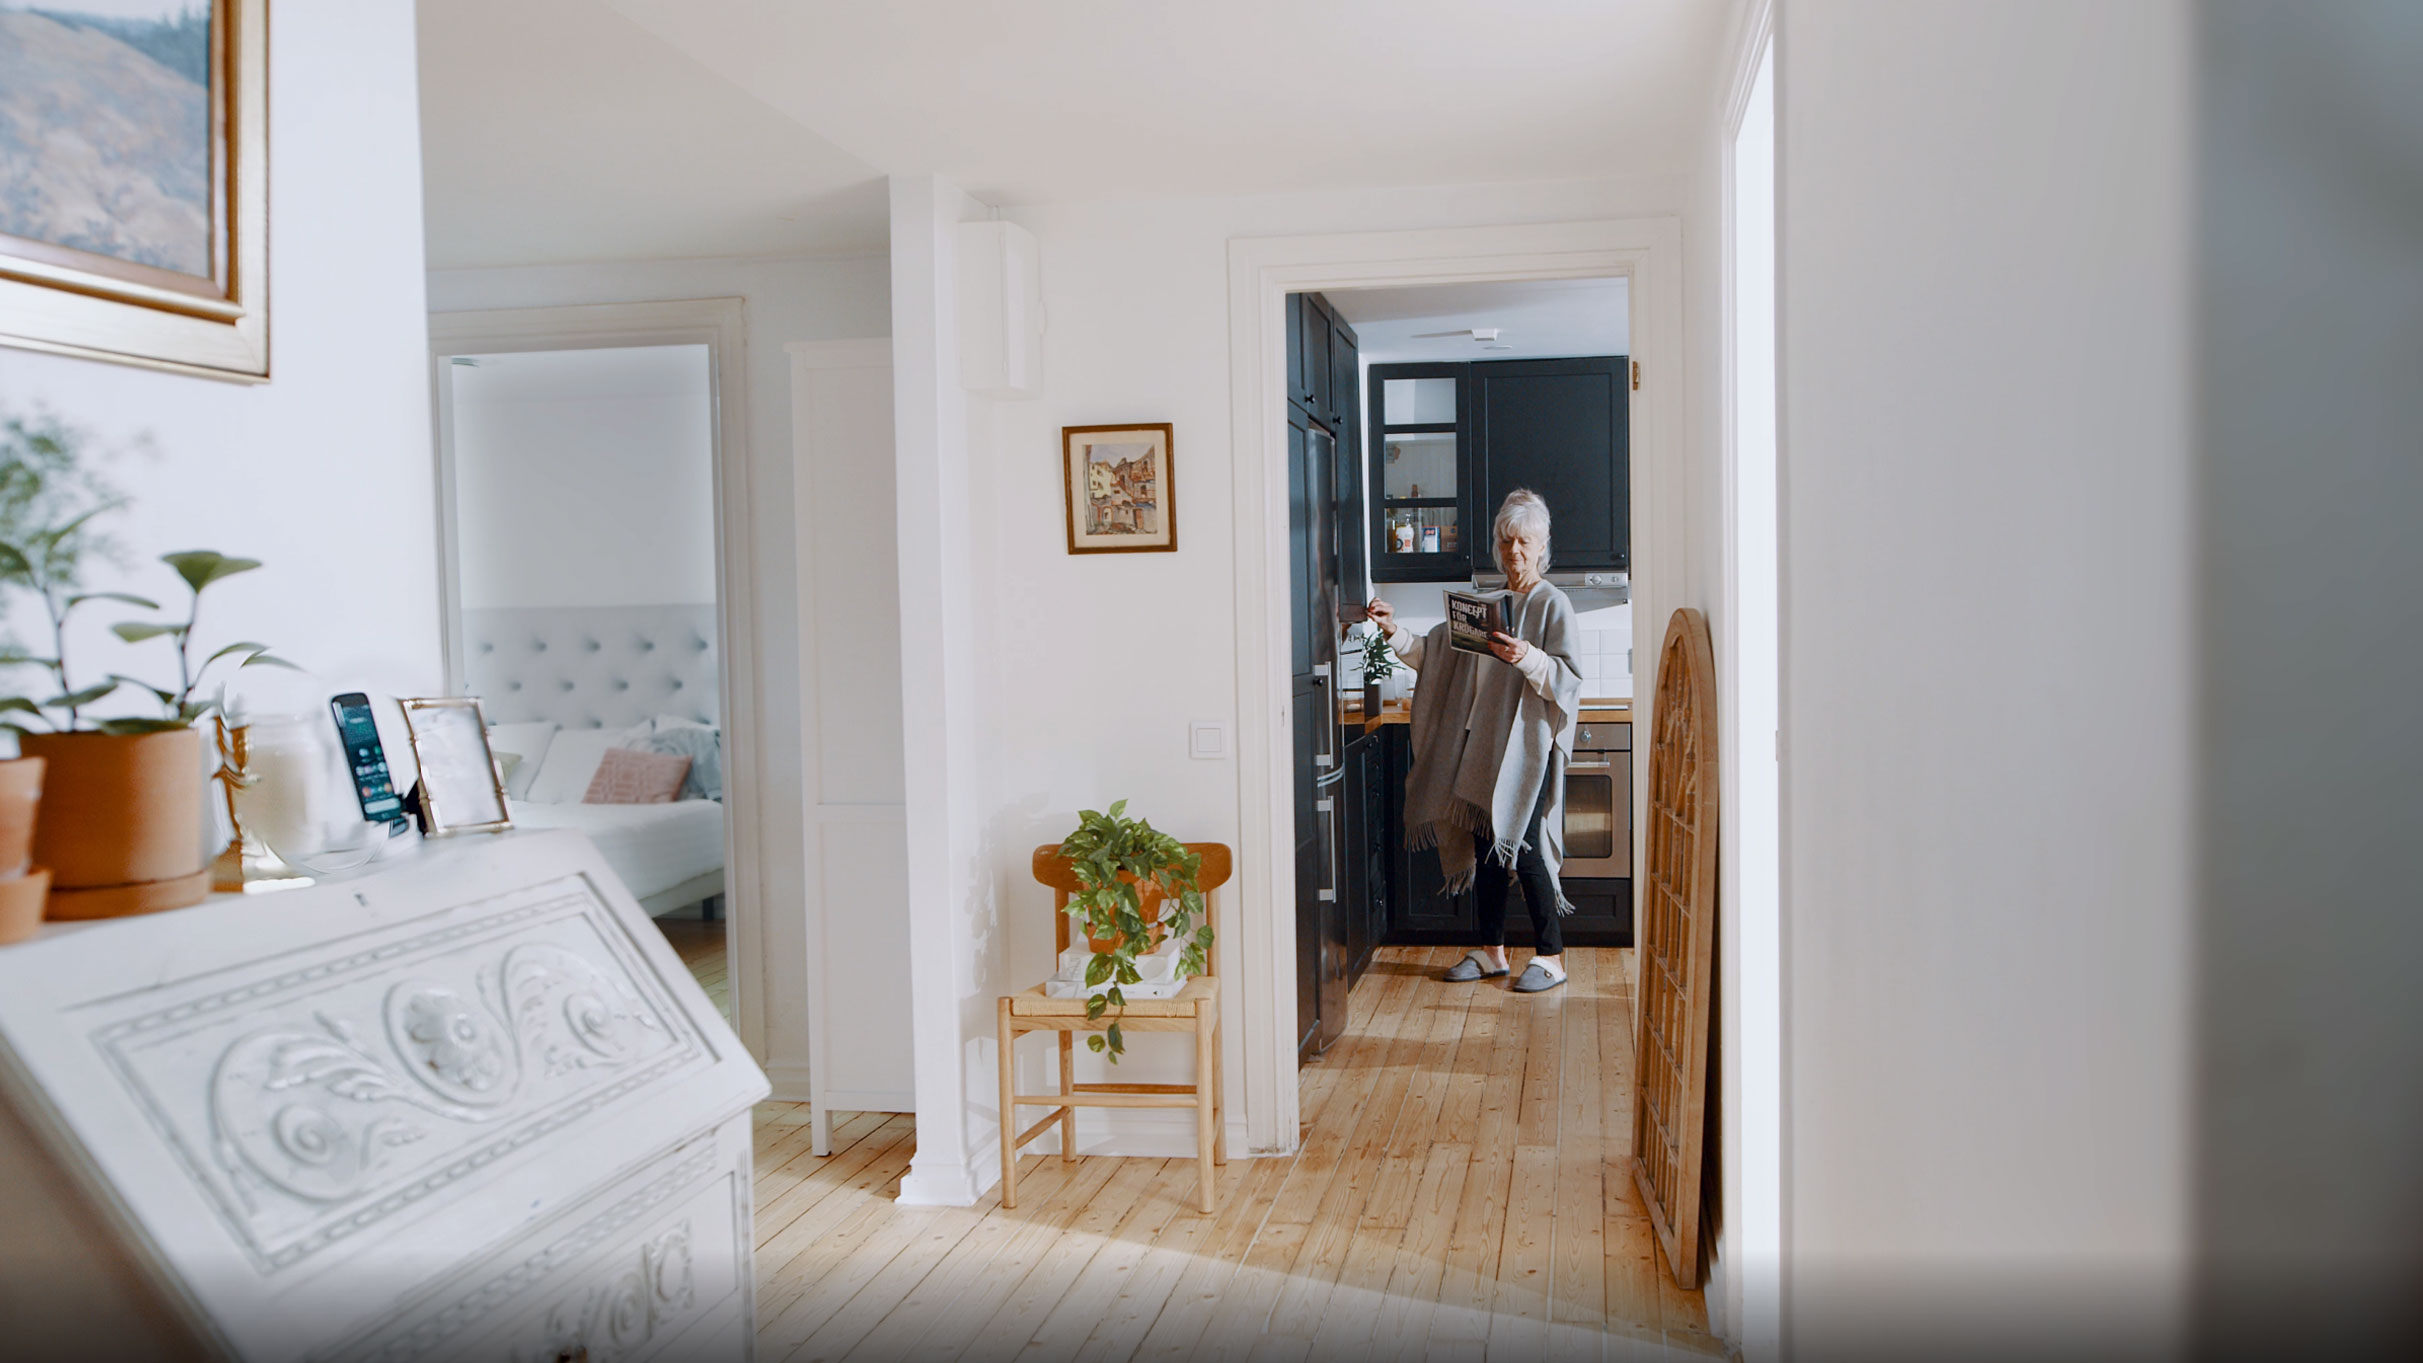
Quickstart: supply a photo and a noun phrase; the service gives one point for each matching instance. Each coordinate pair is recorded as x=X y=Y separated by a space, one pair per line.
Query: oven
x=1598 y=804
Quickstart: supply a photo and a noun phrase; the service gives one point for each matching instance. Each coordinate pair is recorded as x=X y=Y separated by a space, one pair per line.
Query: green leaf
x=235 y=648
x=136 y=631
x=128 y=597
x=87 y=696
x=201 y=567
x=266 y=660
x=141 y=726
x=14 y=563
x=8 y=703
x=168 y=698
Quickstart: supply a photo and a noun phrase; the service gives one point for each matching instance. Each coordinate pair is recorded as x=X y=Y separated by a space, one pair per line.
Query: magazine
x=1473 y=617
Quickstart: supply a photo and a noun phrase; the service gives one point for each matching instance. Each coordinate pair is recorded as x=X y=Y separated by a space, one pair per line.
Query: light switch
x=1207 y=739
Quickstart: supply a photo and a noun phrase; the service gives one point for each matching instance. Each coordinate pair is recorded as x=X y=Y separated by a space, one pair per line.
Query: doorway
x=1645 y=253
x=594 y=592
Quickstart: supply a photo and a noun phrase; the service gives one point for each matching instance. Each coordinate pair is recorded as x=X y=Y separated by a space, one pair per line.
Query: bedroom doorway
x=585 y=561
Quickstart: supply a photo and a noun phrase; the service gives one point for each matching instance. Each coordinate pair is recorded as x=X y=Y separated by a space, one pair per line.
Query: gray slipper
x=1474 y=966
x=1536 y=980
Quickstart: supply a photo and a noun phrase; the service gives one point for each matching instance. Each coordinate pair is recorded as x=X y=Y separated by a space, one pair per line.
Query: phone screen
x=358 y=730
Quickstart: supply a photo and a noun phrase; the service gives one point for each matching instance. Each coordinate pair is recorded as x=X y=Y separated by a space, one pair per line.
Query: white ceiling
x=1536 y=319
x=1056 y=99
x=557 y=130
x=573 y=130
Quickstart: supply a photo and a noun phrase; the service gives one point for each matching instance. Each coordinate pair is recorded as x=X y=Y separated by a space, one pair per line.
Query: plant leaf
x=267 y=660
x=168 y=698
x=128 y=597
x=141 y=726
x=87 y=696
x=14 y=563
x=136 y=631
x=201 y=567
x=234 y=648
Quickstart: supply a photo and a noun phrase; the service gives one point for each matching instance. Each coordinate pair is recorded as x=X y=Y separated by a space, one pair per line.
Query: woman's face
x=1519 y=554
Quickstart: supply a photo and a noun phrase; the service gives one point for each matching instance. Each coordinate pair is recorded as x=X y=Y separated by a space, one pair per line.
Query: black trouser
x=1539 y=888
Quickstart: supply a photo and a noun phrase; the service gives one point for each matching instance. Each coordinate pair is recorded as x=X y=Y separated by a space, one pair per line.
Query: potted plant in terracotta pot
x=1137 y=890
x=121 y=814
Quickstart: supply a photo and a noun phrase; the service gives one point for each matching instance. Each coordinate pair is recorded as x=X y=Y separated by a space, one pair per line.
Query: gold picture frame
x=192 y=307
x=460 y=789
x=1119 y=491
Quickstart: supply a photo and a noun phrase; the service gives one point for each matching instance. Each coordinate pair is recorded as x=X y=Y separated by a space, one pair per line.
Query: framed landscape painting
x=1118 y=491
x=134 y=182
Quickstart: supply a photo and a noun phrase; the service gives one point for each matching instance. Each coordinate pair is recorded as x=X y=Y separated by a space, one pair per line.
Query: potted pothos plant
x=1137 y=889
x=120 y=824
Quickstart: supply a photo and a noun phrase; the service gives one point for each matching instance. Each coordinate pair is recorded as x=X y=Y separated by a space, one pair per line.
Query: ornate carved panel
x=313 y=1103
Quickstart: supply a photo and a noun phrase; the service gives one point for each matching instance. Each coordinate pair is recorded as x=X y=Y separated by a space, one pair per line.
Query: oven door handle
x=1589 y=766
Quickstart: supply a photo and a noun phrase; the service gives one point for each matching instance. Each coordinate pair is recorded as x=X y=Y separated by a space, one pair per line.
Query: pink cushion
x=629 y=776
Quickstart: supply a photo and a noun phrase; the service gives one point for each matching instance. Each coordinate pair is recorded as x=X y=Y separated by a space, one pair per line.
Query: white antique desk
x=466 y=1106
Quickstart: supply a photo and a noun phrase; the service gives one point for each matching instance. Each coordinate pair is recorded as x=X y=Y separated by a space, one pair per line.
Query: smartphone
x=358 y=730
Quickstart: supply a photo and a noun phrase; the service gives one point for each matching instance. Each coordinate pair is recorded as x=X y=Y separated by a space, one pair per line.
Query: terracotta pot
x=20 y=794
x=120 y=825
x=21 y=900
x=1148 y=907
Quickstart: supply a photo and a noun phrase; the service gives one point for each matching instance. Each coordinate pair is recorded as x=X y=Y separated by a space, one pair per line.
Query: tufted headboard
x=588 y=667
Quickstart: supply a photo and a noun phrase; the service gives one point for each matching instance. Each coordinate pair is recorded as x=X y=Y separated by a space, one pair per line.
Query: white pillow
x=664 y=722
x=572 y=760
x=529 y=739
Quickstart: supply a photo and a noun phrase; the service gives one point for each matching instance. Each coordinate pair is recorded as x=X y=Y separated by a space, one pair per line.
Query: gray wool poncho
x=1481 y=779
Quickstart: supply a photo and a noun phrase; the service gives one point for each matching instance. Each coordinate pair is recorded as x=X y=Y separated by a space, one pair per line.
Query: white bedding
x=652 y=847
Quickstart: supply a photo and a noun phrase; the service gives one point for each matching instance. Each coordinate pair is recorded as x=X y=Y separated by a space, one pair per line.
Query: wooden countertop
x=1350 y=711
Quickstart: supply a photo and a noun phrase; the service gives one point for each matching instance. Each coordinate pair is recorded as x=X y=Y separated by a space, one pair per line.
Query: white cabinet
x=471 y=1106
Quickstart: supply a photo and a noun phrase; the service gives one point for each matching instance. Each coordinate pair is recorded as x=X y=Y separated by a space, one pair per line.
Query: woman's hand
x=1508 y=648
x=1383 y=616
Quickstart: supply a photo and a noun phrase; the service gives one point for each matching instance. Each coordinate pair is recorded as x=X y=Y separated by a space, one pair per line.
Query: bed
x=560 y=686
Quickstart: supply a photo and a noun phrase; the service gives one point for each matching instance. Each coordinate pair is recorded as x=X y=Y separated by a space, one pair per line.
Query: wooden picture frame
x=1118 y=488
x=179 y=279
x=460 y=790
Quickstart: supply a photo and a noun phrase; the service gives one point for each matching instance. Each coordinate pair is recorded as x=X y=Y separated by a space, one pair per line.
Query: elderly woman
x=1490 y=743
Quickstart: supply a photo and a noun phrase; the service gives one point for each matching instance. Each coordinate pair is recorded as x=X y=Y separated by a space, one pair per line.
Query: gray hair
x=1522 y=512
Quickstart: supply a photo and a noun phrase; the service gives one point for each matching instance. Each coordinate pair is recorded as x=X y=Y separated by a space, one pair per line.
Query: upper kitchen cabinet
x=1420 y=464
x=1563 y=429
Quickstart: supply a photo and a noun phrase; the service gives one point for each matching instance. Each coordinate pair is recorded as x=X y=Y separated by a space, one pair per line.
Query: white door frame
x=721 y=325
x=1261 y=272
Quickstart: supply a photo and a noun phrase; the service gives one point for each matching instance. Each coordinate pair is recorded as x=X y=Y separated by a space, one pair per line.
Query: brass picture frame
x=197 y=308
x=1119 y=492
x=460 y=789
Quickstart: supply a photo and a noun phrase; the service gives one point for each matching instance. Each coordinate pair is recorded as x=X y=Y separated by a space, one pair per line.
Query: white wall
x=585 y=478
x=1137 y=296
x=810 y=299
x=323 y=473
x=1988 y=683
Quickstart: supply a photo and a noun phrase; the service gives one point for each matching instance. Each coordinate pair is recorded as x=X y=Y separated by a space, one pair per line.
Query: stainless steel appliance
x=1598 y=804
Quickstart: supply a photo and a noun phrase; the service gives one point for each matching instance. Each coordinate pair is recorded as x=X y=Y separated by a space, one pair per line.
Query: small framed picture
x=1120 y=497
x=460 y=790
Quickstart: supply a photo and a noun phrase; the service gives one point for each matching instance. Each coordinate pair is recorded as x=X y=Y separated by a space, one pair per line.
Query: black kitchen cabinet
x=1561 y=428
x=1419 y=472
x=1449 y=441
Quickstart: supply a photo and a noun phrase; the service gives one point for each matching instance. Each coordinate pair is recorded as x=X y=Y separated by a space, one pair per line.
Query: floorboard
x=1463 y=1190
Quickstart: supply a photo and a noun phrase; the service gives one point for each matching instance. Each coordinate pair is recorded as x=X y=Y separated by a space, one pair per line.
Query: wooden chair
x=1195 y=1008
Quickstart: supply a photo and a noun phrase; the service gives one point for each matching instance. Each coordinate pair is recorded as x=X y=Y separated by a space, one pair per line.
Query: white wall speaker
x=1000 y=310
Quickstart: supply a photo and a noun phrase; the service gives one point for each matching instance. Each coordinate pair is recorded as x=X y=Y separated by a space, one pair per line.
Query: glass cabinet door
x=1420 y=478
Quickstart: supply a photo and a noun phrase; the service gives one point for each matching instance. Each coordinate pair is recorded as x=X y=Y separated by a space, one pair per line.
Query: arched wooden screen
x=1677 y=942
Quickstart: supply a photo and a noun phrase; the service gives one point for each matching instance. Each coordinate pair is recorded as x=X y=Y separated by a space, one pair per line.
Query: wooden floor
x=1461 y=1192
x=700 y=945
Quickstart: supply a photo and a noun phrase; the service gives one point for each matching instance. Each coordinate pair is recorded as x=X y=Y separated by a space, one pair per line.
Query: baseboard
x=870 y=1100
x=790 y=1081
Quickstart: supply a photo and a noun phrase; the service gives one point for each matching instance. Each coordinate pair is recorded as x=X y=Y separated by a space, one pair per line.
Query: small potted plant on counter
x=1379 y=664
x=1138 y=888
x=120 y=825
